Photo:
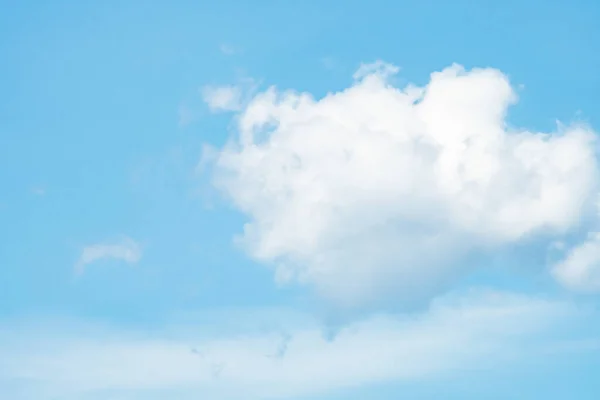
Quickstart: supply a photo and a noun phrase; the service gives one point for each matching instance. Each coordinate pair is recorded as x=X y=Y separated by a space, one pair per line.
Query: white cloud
x=483 y=329
x=580 y=269
x=375 y=190
x=222 y=98
x=126 y=249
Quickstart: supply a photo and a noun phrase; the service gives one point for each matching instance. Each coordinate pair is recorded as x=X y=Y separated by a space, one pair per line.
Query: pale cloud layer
x=375 y=190
x=481 y=330
x=125 y=249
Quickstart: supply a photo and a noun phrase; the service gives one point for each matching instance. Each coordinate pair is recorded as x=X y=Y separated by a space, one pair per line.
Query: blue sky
x=301 y=200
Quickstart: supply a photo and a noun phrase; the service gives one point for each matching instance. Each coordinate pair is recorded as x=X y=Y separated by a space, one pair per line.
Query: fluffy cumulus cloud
x=125 y=249
x=377 y=189
x=482 y=329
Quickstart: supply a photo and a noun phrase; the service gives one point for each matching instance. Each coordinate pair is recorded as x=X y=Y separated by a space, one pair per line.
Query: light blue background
x=89 y=101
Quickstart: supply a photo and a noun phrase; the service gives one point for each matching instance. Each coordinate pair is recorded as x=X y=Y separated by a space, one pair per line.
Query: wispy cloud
x=489 y=329
x=227 y=49
x=38 y=191
x=125 y=249
x=580 y=268
x=185 y=116
x=222 y=98
x=328 y=62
